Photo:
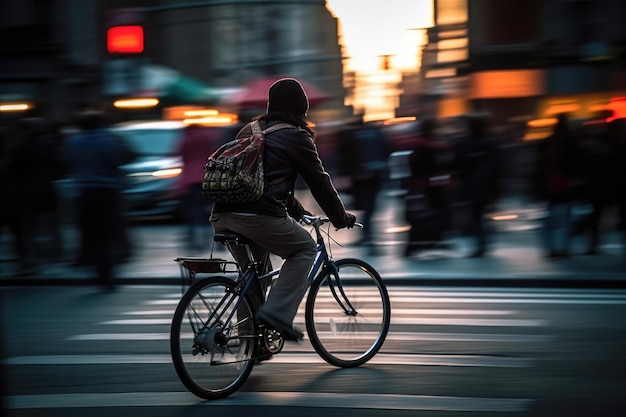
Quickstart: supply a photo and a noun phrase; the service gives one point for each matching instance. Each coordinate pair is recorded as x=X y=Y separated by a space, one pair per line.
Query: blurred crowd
x=37 y=157
x=461 y=162
x=30 y=164
x=470 y=162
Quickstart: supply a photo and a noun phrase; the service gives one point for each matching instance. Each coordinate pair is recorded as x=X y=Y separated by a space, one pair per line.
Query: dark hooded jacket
x=290 y=153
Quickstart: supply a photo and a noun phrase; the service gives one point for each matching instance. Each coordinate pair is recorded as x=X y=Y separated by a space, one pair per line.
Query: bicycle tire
x=346 y=337
x=213 y=359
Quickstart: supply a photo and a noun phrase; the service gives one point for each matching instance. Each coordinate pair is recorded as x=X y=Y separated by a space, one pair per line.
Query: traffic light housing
x=127 y=39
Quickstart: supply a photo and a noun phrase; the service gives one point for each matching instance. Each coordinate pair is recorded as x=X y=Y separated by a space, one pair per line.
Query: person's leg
x=102 y=211
x=370 y=191
x=548 y=229
x=284 y=237
x=594 y=228
x=568 y=228
x=480 y=233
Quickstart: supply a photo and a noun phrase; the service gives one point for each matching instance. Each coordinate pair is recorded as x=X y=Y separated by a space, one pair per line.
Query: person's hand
x=349 y=220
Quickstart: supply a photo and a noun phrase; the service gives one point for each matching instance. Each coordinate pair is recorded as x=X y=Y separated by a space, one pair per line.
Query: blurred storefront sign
x=452 y=107
x=206 y=116
x=507 y=84
x=133 y=77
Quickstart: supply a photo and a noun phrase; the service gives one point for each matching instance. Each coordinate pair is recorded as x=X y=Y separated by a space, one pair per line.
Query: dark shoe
x=286 y=331
x=263 y=354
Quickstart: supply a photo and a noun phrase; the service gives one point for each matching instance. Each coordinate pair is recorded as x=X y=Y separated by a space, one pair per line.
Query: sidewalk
x=516 y=258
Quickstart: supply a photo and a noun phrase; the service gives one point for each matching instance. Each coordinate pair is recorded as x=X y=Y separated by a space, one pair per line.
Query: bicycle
x=215 y=339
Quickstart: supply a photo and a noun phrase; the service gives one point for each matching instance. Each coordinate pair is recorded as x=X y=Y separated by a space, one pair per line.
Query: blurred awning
x=172 y=87
x=254 y=93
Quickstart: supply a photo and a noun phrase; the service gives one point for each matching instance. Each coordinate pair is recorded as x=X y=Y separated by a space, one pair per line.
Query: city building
x=56 y=56
x=523 y=60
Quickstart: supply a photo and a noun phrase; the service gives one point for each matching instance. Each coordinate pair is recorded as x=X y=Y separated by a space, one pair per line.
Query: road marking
x=467 y=337
x=480 y=292
x=121 y=336
x=285 y=358
x=417 y=297
x=434 y=321
x=395 y=311
x=149 y=313
x=396 y=336
x=526 y=293
x=273 y=399
x=466 y=300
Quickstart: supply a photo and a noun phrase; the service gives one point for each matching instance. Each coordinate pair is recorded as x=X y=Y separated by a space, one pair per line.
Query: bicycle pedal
x=273 y=341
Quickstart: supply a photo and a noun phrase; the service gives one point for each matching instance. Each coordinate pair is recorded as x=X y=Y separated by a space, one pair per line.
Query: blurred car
x=152 y=175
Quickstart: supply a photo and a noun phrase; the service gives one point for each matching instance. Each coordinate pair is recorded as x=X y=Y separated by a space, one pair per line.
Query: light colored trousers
x=284 y=237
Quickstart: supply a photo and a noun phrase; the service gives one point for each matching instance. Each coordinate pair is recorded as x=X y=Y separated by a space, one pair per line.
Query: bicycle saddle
x=231 y=237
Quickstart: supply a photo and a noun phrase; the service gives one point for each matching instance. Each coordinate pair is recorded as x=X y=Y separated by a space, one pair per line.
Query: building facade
x=53 y=54
x=526 y=59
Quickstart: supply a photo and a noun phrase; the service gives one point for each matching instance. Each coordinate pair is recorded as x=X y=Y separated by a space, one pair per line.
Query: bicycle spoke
x=218 y=357
x=348 y=315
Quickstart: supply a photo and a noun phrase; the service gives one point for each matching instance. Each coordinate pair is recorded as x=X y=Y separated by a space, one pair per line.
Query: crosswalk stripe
x=434 y=321
x=286 y=358
x=395 y=312
x=467 y=300
x=395 y=336
x=544 y=293
x=274 y=399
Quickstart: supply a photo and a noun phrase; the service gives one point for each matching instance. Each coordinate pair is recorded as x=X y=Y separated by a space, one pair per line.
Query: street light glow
x=14 y=107
x=135 y=103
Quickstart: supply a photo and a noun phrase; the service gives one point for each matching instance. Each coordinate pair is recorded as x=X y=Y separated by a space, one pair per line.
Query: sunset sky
x=373 y=28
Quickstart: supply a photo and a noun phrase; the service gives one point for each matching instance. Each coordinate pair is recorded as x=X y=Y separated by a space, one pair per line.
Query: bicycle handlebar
x=320 y=220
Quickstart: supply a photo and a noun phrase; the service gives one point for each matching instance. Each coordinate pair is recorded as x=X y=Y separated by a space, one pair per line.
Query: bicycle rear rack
x=190 y=267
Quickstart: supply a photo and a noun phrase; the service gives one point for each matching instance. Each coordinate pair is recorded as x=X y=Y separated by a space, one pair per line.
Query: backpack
x=234 y=172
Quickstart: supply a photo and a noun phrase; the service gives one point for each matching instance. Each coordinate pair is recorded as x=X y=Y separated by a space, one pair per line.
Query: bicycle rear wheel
x=347 y=317
x=212 y=345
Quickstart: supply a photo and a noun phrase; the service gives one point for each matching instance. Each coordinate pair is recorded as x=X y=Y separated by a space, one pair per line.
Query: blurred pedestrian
x=427 y=200
x=9 y=218
x=94 y=156
x=365 y=151
x=33 y=166
x=599 y=157
x=197 y=144
x=557 y=173
x=617 y=136
x=477 y=163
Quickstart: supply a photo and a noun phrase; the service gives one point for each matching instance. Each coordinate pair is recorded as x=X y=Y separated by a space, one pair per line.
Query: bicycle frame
x=221 y=311
x=322 y=266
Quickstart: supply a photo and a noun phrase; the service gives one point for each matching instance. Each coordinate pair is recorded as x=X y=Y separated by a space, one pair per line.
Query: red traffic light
x=125 y=40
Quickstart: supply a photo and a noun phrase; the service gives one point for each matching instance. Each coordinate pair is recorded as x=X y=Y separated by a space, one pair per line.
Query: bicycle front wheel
x=347 y=316
x=212 y=344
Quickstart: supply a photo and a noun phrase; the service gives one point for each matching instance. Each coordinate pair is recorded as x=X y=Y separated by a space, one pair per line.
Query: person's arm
x=319 y=182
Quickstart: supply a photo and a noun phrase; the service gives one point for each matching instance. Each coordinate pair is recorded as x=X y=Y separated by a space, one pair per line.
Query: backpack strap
x=271 y=129
x=275 y=127
x=256 y=128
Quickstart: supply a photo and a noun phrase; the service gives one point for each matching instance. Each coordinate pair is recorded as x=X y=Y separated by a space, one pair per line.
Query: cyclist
x=271 y=223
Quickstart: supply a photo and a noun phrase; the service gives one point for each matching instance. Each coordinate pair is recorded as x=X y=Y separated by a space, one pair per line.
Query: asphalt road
x=75 y=351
